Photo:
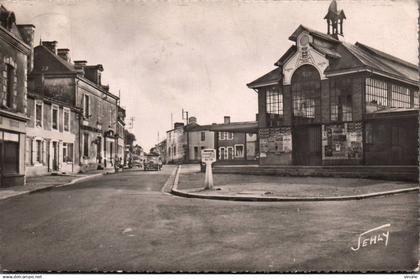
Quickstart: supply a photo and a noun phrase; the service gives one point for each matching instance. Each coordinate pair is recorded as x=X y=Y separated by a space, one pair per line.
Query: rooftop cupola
x=335 y=19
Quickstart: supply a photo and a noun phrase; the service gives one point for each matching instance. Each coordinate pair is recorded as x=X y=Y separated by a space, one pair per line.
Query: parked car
x=152 y=162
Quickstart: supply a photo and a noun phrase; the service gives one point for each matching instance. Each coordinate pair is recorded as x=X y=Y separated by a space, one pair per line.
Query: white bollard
x=208 y=180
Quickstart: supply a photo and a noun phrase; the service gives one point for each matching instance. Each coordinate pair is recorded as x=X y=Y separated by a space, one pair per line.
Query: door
x=307 y=146
x=55 y=156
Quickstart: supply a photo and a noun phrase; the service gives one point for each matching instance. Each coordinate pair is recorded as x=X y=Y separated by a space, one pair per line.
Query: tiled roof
x=55 y=62
x=271 y=78
x=246 y=126
x=346 y=57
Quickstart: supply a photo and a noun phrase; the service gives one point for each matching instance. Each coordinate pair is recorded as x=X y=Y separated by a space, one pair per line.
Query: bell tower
x=335 y=19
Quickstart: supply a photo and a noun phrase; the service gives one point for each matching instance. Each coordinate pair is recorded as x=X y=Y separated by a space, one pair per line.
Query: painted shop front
x=330 y=103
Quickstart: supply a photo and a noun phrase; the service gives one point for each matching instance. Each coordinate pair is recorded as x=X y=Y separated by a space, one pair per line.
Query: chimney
x=27 y=32
x=178 y=125
x=192 y=120
x=93 y=73
x=227 y=120
x=64 y=53
x=79 y=64
x=51 y=45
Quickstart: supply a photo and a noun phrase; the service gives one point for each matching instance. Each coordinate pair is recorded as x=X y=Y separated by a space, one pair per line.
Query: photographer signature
x=373 y=236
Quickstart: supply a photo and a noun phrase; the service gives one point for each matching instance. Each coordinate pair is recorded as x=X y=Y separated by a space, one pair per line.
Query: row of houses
x=235 y=142
x=327 y=102
x=55 y=113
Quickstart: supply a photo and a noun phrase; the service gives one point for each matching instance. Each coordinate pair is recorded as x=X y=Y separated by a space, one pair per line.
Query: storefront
x=12 y=152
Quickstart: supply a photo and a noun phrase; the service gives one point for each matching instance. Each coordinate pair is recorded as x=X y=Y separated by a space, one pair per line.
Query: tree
x=129 y=138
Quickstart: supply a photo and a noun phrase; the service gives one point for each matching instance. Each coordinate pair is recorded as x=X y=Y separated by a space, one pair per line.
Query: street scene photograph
x=188 y=136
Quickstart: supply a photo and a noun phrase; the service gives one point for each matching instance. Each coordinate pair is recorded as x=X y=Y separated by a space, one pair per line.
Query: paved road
x=124 y=222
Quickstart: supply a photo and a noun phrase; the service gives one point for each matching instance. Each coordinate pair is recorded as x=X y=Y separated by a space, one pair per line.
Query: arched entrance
x=306 y=96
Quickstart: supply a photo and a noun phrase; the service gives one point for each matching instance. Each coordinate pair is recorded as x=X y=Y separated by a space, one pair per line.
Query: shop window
x=376 y=94
x=66 y=119
x=274 y=101
x=203 y=136
x=54 y=122
x=239 y=150
x=86 y=145
x=10 y=84
x=341 y=100
x=68 y=152
x=38 y=114
x=11 y=157
x=306 y=91
x=400 y=97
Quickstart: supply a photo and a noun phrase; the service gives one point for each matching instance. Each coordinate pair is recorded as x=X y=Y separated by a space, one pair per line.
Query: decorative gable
x=305 y=54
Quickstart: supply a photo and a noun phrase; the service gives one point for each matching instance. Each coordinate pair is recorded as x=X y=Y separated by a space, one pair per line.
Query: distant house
x=16 y=45
x=236 y=142
x=176 y=144
x=198 y=137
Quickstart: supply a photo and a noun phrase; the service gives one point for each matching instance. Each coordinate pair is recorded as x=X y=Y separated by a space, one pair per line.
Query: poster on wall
x=342 y=141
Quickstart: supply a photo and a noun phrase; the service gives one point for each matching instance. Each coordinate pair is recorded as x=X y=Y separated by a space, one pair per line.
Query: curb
x=180 y=193
x=74 y=181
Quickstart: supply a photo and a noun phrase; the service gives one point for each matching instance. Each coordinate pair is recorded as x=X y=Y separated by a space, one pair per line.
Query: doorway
x=307 y=147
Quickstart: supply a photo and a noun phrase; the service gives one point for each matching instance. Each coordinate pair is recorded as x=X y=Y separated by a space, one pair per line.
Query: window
x=341 y=100
x=222 y=153
x=239 y=150
x=306 y=92
x=86 y=104
x=38 y=150
x=54 y=122
x=66 y=119
x=203 y=136
x=68 y=152
x=416 y=99
x=400 y=97
x=225 y=136
x=10 y=84
x=38 y=114
x=28 y=155
x=86 y=145
x=174 y=150
x=274 y=101
x=376 y=94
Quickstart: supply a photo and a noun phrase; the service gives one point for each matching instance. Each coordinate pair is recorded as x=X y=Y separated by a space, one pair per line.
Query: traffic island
x=241 y=187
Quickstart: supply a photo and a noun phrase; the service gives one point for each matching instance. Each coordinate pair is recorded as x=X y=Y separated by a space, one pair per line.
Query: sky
x=197 y=55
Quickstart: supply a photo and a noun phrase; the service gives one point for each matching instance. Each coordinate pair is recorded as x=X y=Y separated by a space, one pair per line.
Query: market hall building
x=329 y=103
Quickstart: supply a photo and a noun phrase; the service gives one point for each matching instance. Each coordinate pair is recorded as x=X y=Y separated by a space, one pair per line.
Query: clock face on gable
x=304 y=40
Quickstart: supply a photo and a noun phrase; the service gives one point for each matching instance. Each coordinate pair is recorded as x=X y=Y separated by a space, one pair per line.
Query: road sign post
x=208 y=156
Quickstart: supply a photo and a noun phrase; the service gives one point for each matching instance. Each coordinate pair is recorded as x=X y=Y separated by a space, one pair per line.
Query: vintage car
x=152 y=162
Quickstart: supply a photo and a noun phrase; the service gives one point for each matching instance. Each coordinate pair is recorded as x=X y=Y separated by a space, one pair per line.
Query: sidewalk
x=275 y=188
x=39 y=183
